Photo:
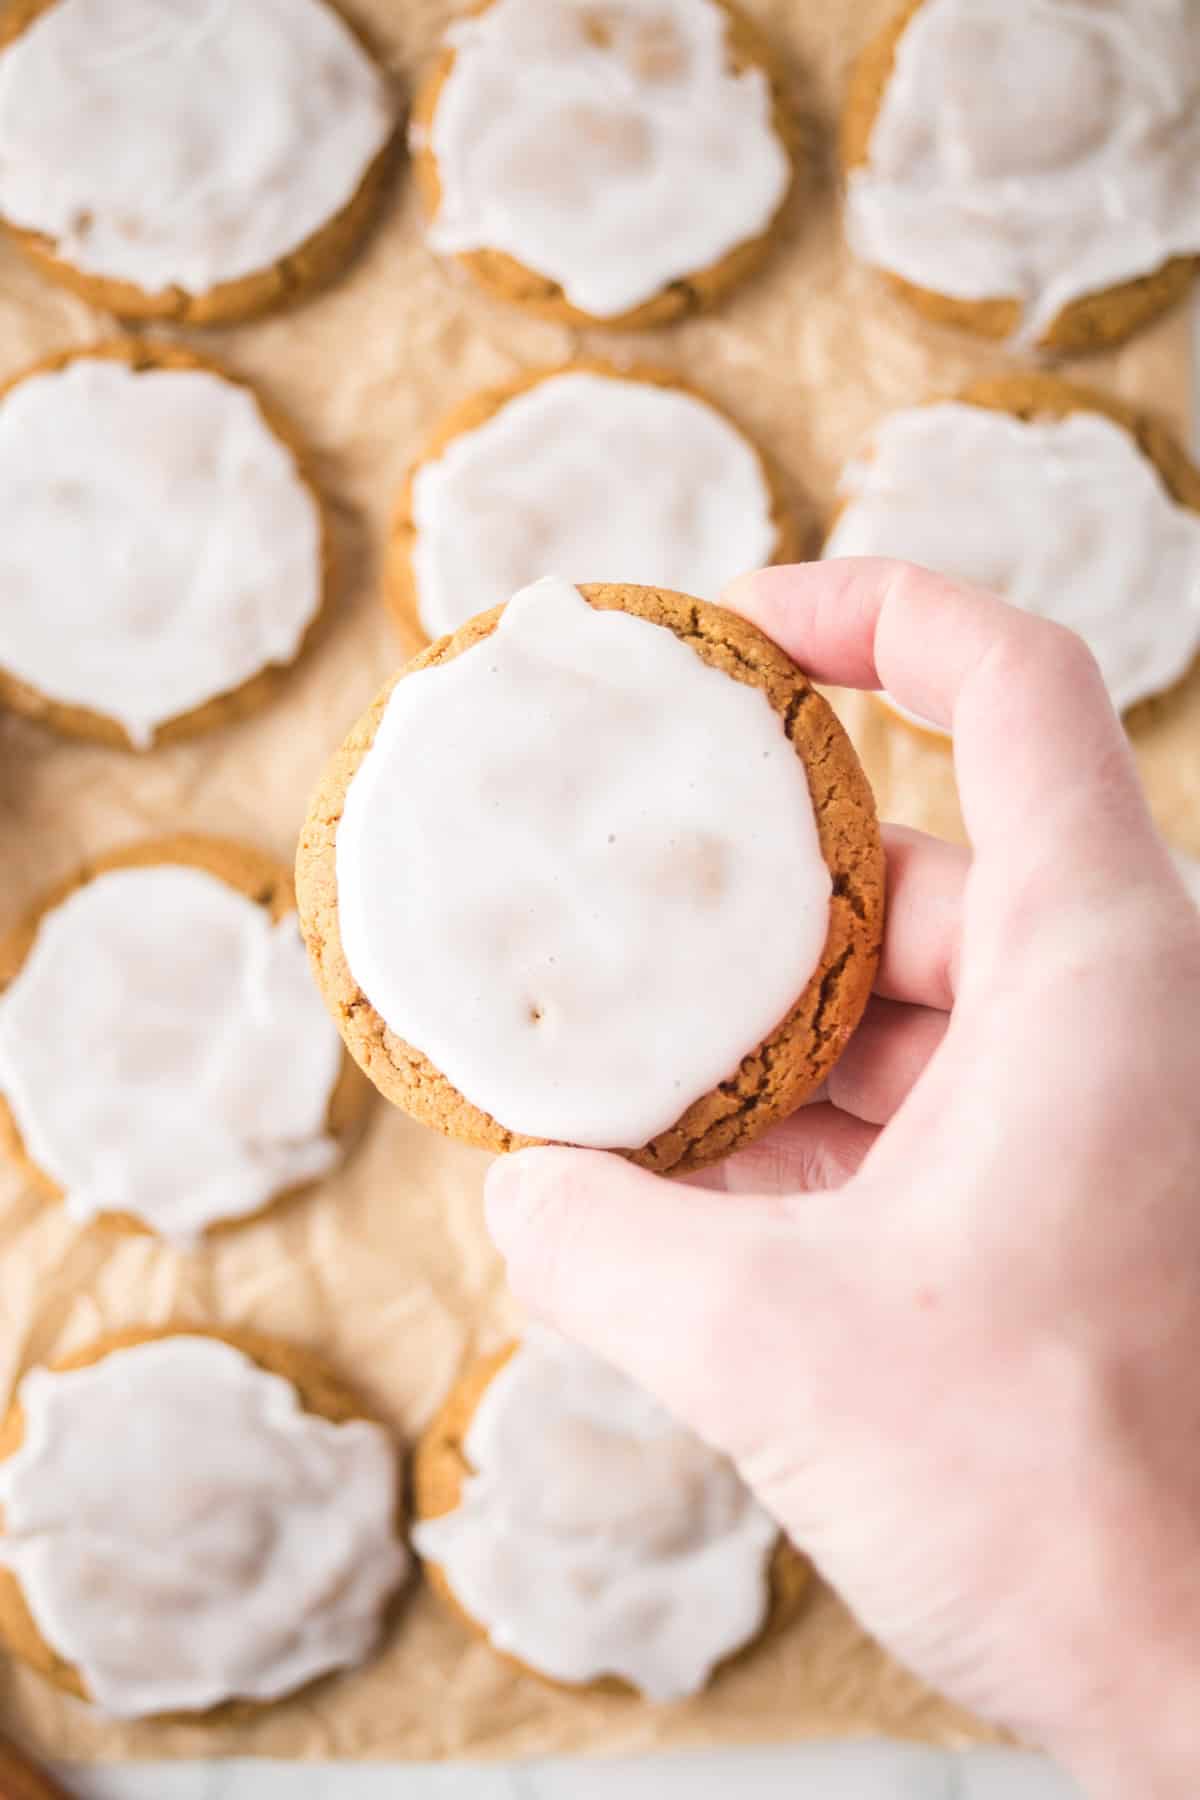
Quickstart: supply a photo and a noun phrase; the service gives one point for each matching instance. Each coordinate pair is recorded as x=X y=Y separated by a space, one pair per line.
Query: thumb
x=718 y=1305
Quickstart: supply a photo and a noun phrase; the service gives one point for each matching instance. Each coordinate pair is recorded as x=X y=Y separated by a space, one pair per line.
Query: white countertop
x=833 y=1772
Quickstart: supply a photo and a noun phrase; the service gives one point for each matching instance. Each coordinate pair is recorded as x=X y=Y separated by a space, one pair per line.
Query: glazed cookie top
x=605 y=144
x=1034 y=149
x=593 y=1535
x=159 y=542
x=164 y=1052
x=1063 y=516
x=579 y=870
x=597 y=478
x=245 y=126
x=184 y=1532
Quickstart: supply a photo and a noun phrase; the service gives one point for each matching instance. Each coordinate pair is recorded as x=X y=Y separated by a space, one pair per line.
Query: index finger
x=1042 y=760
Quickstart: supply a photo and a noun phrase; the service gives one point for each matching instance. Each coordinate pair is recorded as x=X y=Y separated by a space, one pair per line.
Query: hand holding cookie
x=964 y=1381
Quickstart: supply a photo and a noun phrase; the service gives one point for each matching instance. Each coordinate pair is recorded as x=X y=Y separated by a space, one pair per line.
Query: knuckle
x=1062 y=653
x=1030 y=666
x=1040 y=649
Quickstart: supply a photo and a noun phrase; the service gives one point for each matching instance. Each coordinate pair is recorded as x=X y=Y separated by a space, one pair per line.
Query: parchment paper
x=387 y=1269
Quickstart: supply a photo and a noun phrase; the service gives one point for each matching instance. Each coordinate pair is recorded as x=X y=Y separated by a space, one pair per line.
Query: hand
x=948 y=1323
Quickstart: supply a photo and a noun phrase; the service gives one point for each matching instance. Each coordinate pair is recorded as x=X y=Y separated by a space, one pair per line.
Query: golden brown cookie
x=222 y=709
x=773 y=1079
x=1029 y=396
x=1092 y=322
x=320 y=1391
x=440 y=1467
x=400 y=583
x=252 y=872
x=319 y=260
x=507 y=279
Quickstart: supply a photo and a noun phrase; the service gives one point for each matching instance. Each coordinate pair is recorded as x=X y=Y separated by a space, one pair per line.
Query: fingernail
x=737 y=592
x=501 y=1197
x=512 y=1193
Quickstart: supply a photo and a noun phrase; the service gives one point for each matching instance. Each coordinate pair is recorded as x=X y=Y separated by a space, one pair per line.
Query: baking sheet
x=387 y=1270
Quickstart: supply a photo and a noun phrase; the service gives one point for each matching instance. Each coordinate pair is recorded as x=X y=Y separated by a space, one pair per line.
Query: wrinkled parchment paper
x=387 y=1269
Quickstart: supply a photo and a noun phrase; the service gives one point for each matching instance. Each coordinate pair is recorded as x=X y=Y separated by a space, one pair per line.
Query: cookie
x=160 y=475
x=184 y=214
x=601 y=868
x=579 y=469
x=1010 y=92
x=132 y=1012
x=1072 y=505
x=605 y=162
x=246 y=1452
x=564 y=1518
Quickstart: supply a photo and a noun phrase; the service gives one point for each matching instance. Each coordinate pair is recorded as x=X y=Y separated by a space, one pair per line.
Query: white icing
x=602 y=479
x=157 y=544
x=185 y=143
x=595 y=1536
x=605 y=144
x=579 y=869
x=184 y=1533
x=1034 y=149
x=1065 y=518
x=165 y=1052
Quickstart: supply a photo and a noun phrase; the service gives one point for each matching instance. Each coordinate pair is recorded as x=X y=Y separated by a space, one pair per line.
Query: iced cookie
x=164 y=554
x=604 y=162
x=166 y=1064
x=194 y=1520
x=601 y=868
x=250 y=155
x=1028 y=168
x=565 y=1517
x=1069 y=504
x=586 y=470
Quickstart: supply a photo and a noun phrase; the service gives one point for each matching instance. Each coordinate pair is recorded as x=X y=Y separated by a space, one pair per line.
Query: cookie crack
x=844 y=891
x=828 y=993
x=695 y=634
x=799 y=700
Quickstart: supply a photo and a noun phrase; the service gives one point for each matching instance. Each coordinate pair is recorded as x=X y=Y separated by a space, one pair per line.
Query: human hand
x=948 y=1322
